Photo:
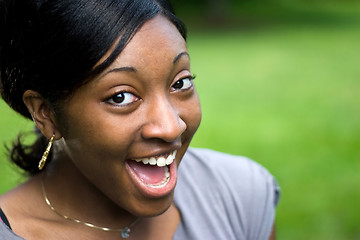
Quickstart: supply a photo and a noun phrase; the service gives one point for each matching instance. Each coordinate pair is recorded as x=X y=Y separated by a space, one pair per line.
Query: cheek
x=192 y=114
x=97 y=135
x=98 y=148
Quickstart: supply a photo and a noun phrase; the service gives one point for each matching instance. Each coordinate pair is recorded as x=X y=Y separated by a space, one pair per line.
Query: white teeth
x=169 y=160
x=167 y=173
x=152 y=161
x=145 y=160
x=160 y=161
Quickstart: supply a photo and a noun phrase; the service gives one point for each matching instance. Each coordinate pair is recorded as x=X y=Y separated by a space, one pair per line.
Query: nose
x=163 y=122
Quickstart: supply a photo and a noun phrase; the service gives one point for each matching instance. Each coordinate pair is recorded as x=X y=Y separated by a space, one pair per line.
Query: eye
x=122 y=99
x=183 y=84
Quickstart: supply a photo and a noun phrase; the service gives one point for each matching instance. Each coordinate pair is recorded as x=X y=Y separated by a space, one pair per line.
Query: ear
x=41 y=113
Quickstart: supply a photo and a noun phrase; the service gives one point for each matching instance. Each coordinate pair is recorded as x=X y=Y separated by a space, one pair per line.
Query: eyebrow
x=121 y=69
x=179 y=56
x=132 y=69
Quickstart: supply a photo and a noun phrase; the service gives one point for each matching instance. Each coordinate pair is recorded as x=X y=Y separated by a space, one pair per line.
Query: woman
x=109 y=86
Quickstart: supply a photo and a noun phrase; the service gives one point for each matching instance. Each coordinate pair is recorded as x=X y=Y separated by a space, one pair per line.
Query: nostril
x=182 y=125
x=168 y=128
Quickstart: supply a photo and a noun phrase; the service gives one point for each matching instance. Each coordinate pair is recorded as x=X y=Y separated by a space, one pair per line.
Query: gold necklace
x=125 y=232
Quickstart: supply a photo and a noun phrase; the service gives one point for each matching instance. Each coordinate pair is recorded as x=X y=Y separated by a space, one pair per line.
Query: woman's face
x=142 y=109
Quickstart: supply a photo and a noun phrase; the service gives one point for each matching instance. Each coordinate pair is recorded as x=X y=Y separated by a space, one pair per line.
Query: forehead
x=158 y=40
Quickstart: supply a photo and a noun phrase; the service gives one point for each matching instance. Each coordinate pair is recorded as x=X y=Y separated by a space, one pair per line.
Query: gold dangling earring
x=46 y=153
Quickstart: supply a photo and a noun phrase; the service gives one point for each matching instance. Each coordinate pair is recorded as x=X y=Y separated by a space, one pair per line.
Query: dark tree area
x=261 y=13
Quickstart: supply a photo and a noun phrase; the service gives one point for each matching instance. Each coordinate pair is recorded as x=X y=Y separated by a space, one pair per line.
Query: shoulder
x=239 y=172
x=18 y=206
x=227 y=191
x=227 y=161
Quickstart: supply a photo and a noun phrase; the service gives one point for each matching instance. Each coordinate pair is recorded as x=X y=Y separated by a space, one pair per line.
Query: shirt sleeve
x=262 y=199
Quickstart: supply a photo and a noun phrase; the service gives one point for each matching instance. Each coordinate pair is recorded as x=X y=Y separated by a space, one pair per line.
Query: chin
x=153 y=207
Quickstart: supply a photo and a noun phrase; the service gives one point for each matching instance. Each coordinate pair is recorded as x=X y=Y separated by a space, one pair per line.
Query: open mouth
x=155 y=176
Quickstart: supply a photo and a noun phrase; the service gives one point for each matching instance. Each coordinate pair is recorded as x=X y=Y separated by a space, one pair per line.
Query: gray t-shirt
x=7 y=234
x=219 y=196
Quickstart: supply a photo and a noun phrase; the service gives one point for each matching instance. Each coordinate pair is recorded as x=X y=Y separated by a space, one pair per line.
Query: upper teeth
x=160 y=161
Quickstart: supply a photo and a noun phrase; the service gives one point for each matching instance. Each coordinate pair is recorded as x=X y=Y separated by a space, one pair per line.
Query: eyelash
x=124 y=94
x=190 y=78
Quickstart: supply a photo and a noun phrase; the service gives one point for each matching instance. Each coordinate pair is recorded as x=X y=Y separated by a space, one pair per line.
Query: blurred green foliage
x=11 y=124
x=279 y=83
x=289 y=98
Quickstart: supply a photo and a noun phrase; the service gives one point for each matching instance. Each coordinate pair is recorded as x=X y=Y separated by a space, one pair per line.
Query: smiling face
x=142 y=109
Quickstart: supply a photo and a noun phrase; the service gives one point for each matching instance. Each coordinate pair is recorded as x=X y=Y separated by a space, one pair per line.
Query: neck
x=73 y=195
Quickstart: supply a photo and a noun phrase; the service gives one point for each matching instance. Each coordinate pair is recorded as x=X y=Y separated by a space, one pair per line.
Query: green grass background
x=286 y=95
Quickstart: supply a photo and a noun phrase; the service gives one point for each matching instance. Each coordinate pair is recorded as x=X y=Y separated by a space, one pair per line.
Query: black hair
x=52 y=46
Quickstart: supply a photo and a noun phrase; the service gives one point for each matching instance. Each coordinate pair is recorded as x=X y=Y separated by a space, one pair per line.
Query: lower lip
x=157 y=192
